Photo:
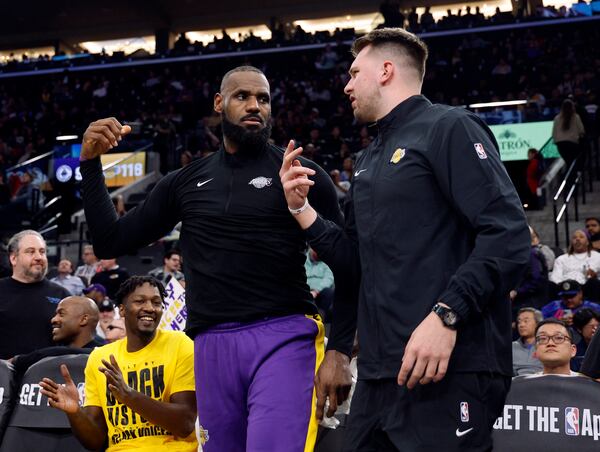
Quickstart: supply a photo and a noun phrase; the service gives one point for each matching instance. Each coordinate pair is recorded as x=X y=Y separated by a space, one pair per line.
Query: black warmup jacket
x=434 y=217
x=244 y=253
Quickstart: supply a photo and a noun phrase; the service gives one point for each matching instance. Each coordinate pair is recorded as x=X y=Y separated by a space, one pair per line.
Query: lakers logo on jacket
x=397 y=155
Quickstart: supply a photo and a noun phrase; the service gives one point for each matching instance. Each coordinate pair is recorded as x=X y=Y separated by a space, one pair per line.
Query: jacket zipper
x=229 y=191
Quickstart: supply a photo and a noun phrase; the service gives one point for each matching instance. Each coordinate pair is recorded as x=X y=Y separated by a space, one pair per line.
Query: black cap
x=569 y=287
x=106 y=305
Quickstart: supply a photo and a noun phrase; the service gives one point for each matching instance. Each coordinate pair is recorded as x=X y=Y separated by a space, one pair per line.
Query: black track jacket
x=243 y=251
x=436 y=218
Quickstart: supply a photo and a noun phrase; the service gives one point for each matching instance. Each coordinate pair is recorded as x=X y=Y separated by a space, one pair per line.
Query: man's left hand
x=114 y=377
x=427 y=353
x=333 y=381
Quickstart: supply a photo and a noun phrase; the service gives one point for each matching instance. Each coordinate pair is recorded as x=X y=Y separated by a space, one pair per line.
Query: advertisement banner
x=125 y=172
x=550 y=413
x=514 y=140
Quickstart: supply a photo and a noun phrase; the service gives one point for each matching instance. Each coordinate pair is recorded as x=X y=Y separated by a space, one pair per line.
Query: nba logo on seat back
x=572 y=421
x=464 y=411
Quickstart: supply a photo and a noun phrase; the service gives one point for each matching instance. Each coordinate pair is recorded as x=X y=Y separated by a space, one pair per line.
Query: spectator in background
x=585 y=322
x=427 y=20
x=186 y=158
x=533 y=289
x=554 y=347
x=592 y=226
x=571 y=301
x=545 y=250
x=392 y=17
x=581 y=264
x=591 y=362
x=115 y=331
x=90 y=266
x=567 y=132
x=96 y=292
x=27 y=299
x=319 y=278
x=413 y=20
x=534 y=174
x=170 y=268
x=166 y=409
x=119 y=203
x=524 y=360
x=327 y=60
x=341 y=187
x=107 y=314
x=347 y=170
x=73 y=327
x=479 y=18
x=23 y=200
x=73 y=284
x=111 y=276
x=74 y=323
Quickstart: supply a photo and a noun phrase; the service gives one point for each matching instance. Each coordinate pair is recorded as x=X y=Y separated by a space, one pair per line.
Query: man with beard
x=592 y=225
x=27 y=299
x=258 y=339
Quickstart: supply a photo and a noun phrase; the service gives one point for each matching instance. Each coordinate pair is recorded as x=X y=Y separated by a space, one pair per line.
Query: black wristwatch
x=448 y=316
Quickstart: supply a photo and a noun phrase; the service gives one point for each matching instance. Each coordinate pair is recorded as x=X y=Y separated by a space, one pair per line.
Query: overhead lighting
x=498 y=104
x=66 y=137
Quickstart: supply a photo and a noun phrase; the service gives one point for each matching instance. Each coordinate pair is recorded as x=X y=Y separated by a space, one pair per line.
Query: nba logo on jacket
x=480 y=151
x=464 y=411
x=572 y=421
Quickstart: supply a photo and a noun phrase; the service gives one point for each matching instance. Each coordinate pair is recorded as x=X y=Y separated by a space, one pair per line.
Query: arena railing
x=572 y=192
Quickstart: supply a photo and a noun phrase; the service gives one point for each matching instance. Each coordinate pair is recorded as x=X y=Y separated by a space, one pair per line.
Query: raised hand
x=294 y=177
x=101 y=136
x=114 y=377
x=63 y=397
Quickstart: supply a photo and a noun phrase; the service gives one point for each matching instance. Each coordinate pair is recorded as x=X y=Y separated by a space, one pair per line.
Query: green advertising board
x=514 y=140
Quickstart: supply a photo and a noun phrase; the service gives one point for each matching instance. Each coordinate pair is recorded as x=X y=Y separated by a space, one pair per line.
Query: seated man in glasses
x=554 y=347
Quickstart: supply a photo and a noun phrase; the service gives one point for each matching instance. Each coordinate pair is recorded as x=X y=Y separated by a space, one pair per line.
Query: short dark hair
x=407 y=44
x=170 y=254
x=583 y=316
x=592 y=218
x=554 y=321
x=239 y=69
x=132 y=283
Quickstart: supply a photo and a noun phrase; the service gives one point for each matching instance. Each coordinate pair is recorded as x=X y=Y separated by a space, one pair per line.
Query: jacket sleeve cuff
x=90 y=165
x=457 y=304
x=316 y=229
x=342 y=346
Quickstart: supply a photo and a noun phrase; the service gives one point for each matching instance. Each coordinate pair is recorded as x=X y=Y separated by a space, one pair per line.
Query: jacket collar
x=403 y=110
x=240 y=159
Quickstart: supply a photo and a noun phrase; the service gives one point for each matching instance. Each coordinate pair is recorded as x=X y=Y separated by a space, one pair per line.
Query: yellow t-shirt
x=162 y=368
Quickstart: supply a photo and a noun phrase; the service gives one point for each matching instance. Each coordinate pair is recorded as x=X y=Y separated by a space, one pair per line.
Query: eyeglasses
x=557 y=339
x=114 y=327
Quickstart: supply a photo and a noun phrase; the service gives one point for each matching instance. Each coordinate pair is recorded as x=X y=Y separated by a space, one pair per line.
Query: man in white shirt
x=581 y=263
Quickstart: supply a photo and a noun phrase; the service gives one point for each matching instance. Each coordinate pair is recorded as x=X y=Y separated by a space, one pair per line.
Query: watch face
x=450 y=318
